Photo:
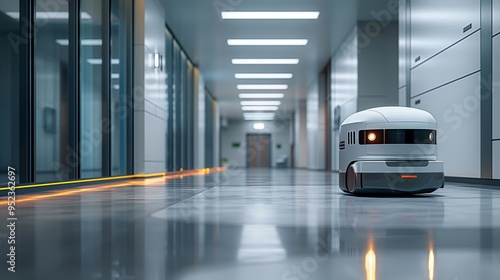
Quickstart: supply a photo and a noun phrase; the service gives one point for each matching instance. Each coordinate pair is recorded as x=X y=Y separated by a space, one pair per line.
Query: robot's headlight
x=431 y=137
x=371 y=136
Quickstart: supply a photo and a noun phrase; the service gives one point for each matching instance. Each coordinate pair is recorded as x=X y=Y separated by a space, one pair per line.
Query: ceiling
x=198 y=26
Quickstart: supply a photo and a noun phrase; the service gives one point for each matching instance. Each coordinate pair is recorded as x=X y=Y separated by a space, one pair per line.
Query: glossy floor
x=253 y=224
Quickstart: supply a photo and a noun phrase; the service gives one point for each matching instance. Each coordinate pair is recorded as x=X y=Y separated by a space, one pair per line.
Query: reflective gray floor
x=255 y=224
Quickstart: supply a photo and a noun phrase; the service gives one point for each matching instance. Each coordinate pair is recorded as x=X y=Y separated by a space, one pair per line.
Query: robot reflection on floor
x=389 y=150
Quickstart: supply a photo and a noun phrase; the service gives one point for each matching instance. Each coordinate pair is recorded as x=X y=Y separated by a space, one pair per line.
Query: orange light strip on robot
x=408 y=176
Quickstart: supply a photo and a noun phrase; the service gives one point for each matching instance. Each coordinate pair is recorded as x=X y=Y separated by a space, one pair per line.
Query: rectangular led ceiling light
x=267 y=87
x=265 y=61
x=260 y=103
x=270 y=15
x=261 y=95
x=262 y=115
x=263 y=75
x=258 y=119
x=267 y=42
x=259 y=108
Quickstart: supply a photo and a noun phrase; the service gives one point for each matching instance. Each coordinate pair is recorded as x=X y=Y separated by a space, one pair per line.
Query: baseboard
x=475 y=181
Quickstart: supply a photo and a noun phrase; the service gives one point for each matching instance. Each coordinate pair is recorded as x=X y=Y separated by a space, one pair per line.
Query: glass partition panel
x=91 y=73
x=9 y=95
x=120 y=110
x=54 y=155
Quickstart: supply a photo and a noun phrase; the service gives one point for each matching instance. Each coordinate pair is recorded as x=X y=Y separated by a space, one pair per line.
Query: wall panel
x=435 y=25
x=496 y=16
x=456 y=109
x=301 y=148
x=457 y=61
x=496 y=159
x=496 y=87
x=402 y=96
x=403 y=23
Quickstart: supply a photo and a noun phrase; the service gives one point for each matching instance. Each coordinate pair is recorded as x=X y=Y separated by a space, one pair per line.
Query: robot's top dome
x=391 y=114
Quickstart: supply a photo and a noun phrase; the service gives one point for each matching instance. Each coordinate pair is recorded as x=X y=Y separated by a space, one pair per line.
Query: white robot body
x=389 y=149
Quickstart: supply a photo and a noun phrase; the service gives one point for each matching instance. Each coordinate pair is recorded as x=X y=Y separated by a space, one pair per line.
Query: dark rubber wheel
x=351 y=182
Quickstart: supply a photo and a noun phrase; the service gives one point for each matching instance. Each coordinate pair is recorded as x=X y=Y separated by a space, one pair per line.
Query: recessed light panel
x=267 y=42
x=265 y=61
x=259 y=108
x=261 y=95
x=258 y=118
x=265 y=87
x=260 y=103
x=259 y=126
x=270 y=15
x=263 y=75
x=259 y=115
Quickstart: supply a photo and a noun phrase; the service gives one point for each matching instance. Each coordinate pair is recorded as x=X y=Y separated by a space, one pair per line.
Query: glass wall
x=180 y=107
x=66 y=91
x=121 y=77
x=54 y=159
x=91 y=89
x=75 y=92
x=209 y=129
x=170 y=101
x=9 y=95
x=184 y=111
x=190 y=115
x=176 y=110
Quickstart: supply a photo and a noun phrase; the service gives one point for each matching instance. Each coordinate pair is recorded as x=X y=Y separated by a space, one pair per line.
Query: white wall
x=217 y=136
x=344 y=86
x=496 y=160
x=496 y=17
x=236 y=132
x=496 y=95
x=150 y=104
x=315 y=127
x=436 y=25
x=364 y=74
x=445 y=78
x=378 y=67
x=301 y=148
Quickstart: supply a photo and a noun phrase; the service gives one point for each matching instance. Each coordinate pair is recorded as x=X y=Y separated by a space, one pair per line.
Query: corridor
x=255 y=224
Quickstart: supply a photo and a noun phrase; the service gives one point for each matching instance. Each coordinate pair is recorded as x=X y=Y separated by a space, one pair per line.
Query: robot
x=389 y=150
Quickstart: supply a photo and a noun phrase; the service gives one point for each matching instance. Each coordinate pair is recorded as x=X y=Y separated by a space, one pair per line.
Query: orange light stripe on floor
x=134 y=180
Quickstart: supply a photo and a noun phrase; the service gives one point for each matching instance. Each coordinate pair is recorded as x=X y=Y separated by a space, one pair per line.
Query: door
x=258 y=150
